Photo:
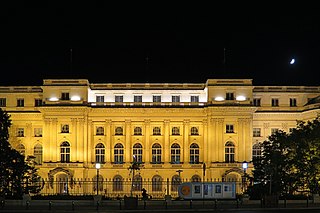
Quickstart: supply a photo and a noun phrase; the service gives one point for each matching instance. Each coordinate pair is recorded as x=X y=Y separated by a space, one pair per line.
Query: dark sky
x=157 y=44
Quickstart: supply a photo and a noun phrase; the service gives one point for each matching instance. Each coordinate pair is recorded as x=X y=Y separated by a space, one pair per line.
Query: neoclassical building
x=191 y=131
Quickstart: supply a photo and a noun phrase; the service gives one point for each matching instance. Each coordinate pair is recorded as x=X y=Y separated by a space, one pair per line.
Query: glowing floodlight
x=241 y=98
x=219 y=98
x=53 y=99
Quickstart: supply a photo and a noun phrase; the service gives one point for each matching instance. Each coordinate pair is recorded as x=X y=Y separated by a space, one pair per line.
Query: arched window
x=137 y=152
x=156 y=183
x=117 y=183
x=100 y=153
x=119 y=131
x=137 y=183
x=175 y=153
x=65 y=152
x=21 y=149
x=137 y=131
x=175 y=131
x=156 y=131
x=118 y=153
x=229 y=152
x=194 y=131
x=194 y=153
x=37 y=153
x=156 y=153
x=175 y=182
x=256 y=150
x=195 y=178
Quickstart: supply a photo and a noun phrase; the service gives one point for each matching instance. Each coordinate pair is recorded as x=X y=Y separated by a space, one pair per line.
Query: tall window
x=293 y=102
x=37 y=153
x=229 y=152
x=100 y=130
x=274 y=102
x=175 y=153
x=20 y=102
x=194 y=153
x=256 y=102
x=156 y=131
x=100 y=153
x=119 y=131
x=156 y=98
x=137 y=152
x=176 y=181
x=3 y=102
x=256 y=150
x=65 y=152
x=21 y=149
x=194 y=131
x=156 y=183
x=175 y=131
x=117 y=183
x=118 y=153
x=37 y=102
x=137 y=183
x=137 y=131
x=156 y=153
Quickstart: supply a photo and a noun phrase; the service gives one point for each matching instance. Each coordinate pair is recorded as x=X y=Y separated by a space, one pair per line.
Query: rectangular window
x=37 y=132
x=100 y=98
x=99 y=130
x=256 y=132
x=274 y=130
x=176 y=98
x=229 y=96
x=195 y=99
x=20 y=102
x=65 y=96
x=20 y=132
x=256 y=102
x=137 y=98
x=65 y=128
x=293 y=102
x=274 y=102
x=156 y=98
x=118 y=98
x=229 y=128
x=37 y=102
x=3 y=102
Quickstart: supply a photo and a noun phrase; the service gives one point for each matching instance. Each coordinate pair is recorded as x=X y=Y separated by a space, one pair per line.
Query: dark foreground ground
x=88 y=206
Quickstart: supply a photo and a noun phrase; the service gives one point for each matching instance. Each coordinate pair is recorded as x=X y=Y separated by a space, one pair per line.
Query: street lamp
x=98 y=165
x=244 y=167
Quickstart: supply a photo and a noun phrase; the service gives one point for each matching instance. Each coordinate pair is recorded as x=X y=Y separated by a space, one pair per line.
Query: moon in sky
x=292 y=61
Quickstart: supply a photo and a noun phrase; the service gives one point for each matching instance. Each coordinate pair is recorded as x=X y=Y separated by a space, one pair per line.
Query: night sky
x=155 y=44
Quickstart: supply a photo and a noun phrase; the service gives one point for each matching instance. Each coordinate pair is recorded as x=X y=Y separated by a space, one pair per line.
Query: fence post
x=190 y=204
x=72 y=205
x=50 y=203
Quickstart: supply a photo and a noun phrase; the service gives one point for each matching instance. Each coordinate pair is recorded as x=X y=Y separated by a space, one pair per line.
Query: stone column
x=128 y=152
x=166 y=134
x=186 y=126
x=108 y=141
x=147 y=141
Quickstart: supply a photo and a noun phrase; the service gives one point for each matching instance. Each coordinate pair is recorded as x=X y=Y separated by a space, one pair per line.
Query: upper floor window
x=156 y=131
x=65 y=152
x=229 y=128
x=3 y=102
x=175 y=131
x=194 y=153
x=194 y=131
x=37 y=102
x=37 y=132
x=118 y=98
x=229 y=96
x=194 y=99
x=156 y=153
x=256 y=132
x=65 y=128
x=100 y=153
x=256 y=150
x=21 y=149
x=100 y=98
x=256 y=102
x=175 y=153
x=137 y=152
x=65 y=96
x=20 y=132
x=229 y=152
x=100 y=130
x=137 y=131
x=156 y=98
x=37 y=153
x=175 y=98
x=118 y=153
x=137 y=98
x=274 y=102
x=20 y=102
x=119 y=131
x=293 y=102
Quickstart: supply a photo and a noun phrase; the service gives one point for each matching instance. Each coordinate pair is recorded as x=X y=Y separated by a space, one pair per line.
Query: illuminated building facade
x=173 y=129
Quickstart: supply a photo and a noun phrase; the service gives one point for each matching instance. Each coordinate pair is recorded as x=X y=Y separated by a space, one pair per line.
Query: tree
x=14 y=170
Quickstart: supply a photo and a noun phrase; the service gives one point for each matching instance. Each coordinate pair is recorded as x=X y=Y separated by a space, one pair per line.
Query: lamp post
x=98 y=165
x=244 y=167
